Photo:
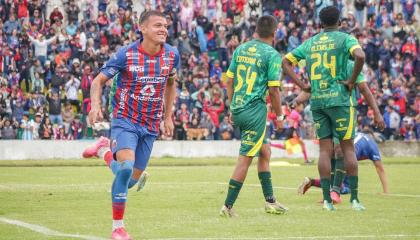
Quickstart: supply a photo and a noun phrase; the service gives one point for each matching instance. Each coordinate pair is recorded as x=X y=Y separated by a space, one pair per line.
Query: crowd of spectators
x=48 y=62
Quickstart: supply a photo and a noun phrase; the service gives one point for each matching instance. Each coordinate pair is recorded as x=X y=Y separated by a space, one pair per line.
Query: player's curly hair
x=266 y=26
x=329 y=16
x=146 y=15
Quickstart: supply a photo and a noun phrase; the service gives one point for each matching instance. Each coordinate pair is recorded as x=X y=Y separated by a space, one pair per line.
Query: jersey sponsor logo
x=148 y=91
x=323 y=38
x=151 y=61
x=123 y=96
x=150 y=79
x=134 y=68
x=249 y=135
x=252 y=49
x=147 y=94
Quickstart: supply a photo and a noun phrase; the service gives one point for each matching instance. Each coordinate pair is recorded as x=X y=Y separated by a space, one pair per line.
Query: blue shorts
x=127 y=135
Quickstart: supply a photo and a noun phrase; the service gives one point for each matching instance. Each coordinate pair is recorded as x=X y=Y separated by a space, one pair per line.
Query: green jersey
x=327 y=58
x=360 y=79
x=255 y=66
x=112 y=93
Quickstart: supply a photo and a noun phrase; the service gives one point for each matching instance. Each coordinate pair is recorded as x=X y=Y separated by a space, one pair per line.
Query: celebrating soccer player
x=146 y=79
x=255 y=67
x=327 y=56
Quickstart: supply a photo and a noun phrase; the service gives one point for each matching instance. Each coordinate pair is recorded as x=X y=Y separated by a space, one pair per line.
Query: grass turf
x=183 y=196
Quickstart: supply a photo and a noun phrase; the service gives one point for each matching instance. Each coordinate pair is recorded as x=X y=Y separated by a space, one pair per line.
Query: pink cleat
x=120 y=234
x=335 y=197
x=92 y=151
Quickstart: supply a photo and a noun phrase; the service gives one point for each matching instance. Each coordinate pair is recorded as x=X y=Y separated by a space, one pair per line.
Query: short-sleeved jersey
x=366 y=148
x=255 y=66
x=140 y=83
x=361 y=78
x=327 y=56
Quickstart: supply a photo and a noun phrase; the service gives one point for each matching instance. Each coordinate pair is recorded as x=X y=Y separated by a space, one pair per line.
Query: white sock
x=102 y=151
x=117 y=224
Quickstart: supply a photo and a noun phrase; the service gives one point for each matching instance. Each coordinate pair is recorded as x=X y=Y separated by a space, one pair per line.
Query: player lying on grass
x=366 y=148
x=101 y=148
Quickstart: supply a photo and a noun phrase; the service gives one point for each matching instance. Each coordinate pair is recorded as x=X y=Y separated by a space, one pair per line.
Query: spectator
x=8 y=129
x=27 y=127
x=72 y=87
x=41 y=45
x=45 y=130
x=55 y=108
x=226 y=129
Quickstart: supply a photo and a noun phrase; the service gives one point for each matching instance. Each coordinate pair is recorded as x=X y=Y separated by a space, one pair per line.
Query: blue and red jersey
x=140 y=83
x=366 y=148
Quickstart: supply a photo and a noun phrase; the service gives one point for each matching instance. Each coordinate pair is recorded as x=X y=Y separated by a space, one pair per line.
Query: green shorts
x=335 y=122
x=252 y=124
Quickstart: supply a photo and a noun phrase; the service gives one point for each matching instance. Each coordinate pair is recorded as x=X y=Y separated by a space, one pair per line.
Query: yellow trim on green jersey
x=274 y=83
x=292 y=58
x=351 y=122
x=353 y=48
x=257 y=146
x=230 y=74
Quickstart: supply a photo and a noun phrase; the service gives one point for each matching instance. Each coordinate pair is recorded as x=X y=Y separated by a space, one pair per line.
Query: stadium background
x=69 y=199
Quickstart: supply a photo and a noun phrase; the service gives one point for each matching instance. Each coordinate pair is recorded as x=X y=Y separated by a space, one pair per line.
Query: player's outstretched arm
x=382 y=176
x=367 y=94
x=287 y=66
x=95 y=97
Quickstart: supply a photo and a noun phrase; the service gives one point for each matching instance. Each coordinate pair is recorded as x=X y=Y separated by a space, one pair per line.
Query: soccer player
x=327 y=56
x=255 y=67
x=366 y=148
x=146 y=82
x=337 y=161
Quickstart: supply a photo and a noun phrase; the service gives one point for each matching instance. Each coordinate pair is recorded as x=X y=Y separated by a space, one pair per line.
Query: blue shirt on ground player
x=141 y=82
x=366 y=148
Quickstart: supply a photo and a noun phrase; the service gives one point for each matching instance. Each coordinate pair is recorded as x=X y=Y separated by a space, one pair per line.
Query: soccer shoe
x=92 y=151
x=309 y=162
x=227 y=212
x=335 y=197
x=357 y=206
x=275 y=208
x=142 y=181
x=328 y=206
x=304 y=186
x=120 y=234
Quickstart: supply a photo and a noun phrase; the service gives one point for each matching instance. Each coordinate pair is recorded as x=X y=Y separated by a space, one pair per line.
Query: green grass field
x=183 y=196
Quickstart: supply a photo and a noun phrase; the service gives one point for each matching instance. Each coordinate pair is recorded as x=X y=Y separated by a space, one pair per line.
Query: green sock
x=353 y=185
x=333 y=166
x=267 y=187
x=233 y=192
x=325 y=185
x=340 y=172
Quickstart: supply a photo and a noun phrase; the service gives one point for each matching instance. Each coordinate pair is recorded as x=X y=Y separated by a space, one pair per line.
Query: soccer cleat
x=328 y=206
x=304 y=186
x=227 y=212
x=120 y=234
x=309 y=162
x=275 y=208
x=335 y=197
x=357 y=206
x=92 y=151
x=142 y=181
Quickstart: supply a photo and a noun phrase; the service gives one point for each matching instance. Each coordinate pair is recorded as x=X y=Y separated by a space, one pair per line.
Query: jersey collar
x=141 y=49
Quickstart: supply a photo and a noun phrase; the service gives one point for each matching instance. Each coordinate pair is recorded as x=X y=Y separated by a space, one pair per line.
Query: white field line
x=47 y=231
x=389 y=236
x=96 y=185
